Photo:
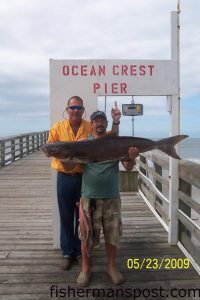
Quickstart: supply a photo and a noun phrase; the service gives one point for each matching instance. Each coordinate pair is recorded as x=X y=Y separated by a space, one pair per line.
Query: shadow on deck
x=29 y=266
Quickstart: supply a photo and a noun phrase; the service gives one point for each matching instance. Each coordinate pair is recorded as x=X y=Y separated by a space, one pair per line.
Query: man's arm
x=128 y=164
x=116 y=115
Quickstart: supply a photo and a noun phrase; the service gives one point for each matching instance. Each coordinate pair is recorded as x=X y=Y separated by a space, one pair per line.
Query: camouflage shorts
x=104 y=213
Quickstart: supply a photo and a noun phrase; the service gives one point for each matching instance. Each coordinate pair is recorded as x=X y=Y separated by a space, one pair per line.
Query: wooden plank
x=32 y=265
x=190 y=202
x=158 y=157
x=61 y=277
x=186 y=188
x=4 y=254
x=152 y=187
x=163 y=211
x=128 y=181
x=189 y=172
x=189 y=225
x=190 y=247
x=154 y=173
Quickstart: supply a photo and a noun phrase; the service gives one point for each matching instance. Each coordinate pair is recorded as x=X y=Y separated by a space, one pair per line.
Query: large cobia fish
x=109 y=147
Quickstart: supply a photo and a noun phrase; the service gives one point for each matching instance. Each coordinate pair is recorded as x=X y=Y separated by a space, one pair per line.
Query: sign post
x=174 y=129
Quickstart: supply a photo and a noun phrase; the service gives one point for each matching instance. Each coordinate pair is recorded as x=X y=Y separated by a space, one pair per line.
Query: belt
x=71 y=174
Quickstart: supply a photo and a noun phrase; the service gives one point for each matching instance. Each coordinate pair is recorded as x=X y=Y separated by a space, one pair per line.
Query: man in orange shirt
x=69 y=177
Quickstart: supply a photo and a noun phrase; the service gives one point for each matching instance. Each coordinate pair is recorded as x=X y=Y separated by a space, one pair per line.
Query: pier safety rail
x=15 y=147
x=153 y=185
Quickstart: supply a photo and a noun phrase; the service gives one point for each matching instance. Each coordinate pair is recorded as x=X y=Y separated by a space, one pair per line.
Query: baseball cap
x=97 y=114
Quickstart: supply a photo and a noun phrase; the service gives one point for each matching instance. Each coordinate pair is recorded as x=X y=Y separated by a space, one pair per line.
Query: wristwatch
x=116 y=123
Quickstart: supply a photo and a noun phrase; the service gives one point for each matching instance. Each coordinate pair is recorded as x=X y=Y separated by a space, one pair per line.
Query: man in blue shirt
x=100 y=206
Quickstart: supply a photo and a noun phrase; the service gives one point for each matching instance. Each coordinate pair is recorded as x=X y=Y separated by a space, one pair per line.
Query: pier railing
x=16 y=147
x=153 y=170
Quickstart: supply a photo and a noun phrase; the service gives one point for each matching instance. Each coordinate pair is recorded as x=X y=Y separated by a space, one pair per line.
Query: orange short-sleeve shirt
x=62 y=132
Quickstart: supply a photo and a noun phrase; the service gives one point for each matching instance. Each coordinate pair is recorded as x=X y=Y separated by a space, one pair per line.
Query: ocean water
x=190 y=149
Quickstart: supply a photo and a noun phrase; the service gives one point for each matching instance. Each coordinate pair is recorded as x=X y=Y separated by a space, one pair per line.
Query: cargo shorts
x=106 y=214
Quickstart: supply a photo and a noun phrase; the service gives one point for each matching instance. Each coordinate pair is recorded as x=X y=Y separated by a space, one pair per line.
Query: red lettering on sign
x=124 y=70
x=93 y=71
x=133 y=70
x=84 y=70
x=151 y=69
x=113 y=88
x=65 y=70
x=96 y=87
x=106 y=88
x=102 y=70
x=73 y=70
x=115 y=70
x=142 y=70
x=123 y=88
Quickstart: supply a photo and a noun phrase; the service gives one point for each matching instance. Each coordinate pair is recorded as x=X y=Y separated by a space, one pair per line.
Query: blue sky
x=34 y=31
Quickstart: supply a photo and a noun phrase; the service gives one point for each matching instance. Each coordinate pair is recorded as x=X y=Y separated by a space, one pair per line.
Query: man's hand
x=115 y=113
x=45 y=152
x=133 y=153
x=129 y=163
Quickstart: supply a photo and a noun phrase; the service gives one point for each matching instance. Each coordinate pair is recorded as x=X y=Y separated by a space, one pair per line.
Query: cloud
x=34 y=31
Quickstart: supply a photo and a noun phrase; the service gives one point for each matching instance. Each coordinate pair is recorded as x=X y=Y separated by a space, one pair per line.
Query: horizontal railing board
x=189 y=224
x=189 y=201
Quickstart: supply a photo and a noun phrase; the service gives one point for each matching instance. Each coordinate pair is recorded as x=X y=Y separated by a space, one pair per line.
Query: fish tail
x=167 y=145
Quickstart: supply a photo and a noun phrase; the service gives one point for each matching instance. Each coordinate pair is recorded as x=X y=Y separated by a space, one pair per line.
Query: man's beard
x=101 y=130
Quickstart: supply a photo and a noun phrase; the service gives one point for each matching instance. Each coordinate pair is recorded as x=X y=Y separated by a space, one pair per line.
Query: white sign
x=92 y=78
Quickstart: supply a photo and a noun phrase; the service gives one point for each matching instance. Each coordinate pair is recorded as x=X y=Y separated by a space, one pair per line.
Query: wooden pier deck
x=29 y=266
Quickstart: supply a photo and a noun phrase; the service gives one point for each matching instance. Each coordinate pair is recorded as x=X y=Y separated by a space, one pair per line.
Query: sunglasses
x=73 y=107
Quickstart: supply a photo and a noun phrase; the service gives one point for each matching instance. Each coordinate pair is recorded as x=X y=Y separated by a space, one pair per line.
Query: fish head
x=56 y=150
